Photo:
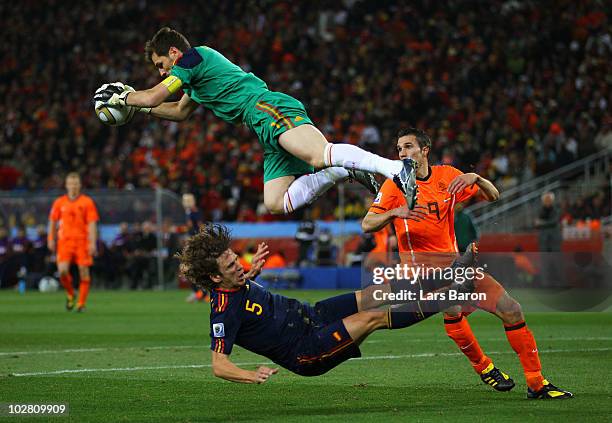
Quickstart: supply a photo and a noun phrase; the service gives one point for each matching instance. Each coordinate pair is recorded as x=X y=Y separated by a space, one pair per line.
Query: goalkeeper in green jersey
x=293 y=146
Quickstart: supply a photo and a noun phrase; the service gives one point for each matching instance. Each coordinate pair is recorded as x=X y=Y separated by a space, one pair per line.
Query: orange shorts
x=74 y=252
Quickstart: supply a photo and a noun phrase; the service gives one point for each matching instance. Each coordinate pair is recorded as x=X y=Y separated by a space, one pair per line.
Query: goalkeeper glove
x=115 y=94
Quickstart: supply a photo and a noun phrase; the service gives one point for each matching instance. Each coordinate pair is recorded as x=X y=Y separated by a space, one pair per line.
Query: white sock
x=352 y=157
x=307 y=188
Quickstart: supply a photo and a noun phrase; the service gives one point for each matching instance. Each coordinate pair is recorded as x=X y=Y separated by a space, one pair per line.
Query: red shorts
x=73 y=252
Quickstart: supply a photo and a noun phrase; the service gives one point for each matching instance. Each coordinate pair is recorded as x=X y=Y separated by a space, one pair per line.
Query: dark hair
x=163 y=40
x=73 y=175
x=420 y=135
x=198 y=259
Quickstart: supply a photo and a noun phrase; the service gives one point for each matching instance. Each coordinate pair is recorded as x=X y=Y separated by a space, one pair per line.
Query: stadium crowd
x=509 y=89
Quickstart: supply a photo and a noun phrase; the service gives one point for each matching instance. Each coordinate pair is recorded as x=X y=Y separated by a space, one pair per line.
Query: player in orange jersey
x=426 y=235
x=72 y=235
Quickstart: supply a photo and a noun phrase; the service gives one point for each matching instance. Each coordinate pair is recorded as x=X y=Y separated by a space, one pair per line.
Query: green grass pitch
x=143 y=357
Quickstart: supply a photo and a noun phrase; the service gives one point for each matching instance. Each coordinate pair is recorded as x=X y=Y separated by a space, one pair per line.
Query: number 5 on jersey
x=253 y=307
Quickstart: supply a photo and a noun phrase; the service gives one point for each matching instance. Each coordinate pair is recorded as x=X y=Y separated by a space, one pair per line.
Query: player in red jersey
x=72 y=235
x=426 y=235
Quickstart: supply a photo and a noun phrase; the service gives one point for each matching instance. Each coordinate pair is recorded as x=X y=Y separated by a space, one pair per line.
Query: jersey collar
x=177 y=59
x=425 y=179
x=227 y=290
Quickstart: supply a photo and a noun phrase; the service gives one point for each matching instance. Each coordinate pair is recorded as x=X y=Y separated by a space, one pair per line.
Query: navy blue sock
x=404 y=316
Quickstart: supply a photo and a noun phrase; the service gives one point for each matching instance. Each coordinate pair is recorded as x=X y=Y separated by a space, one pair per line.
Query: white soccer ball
x=114 y=115
x=48 y=284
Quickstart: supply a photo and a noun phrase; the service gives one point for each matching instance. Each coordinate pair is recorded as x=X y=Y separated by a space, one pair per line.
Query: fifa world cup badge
x=218 y=330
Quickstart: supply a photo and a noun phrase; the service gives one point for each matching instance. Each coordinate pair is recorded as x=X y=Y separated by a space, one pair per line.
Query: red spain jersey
x=73 y=217
x=436 y=233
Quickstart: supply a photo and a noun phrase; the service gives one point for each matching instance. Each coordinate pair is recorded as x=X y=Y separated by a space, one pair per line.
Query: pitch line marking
x=200 y=366
x=103 y=349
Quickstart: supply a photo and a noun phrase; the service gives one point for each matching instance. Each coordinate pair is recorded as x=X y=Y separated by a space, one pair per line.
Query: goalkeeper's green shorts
x=273 y=114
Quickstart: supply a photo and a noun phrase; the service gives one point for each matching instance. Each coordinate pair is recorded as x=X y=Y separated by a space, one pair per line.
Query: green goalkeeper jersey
x=210 y=79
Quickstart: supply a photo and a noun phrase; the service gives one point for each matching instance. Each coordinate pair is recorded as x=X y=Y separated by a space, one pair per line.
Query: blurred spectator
x=6 y=252
x=104 y=266
x=603 y=139
x=22 y=250
x=20 y=242
x=120 y=251
x=370 y=137
x=325 y=250
x=192 y=215
x=599 y=206
x=40 y=261
x=171 y=239
x=305 y=235
x=141 y=266
x=366 y=244
x=275 y=261
x=354 y=207
x=122 y=239
x=549 y=224
x=526 y=269
x=193 y=222
x=171 y=245
x=246 y=258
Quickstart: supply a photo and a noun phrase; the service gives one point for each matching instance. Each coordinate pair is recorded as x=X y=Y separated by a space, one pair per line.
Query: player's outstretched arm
x=175 y=110
x=225 y=369
x=119 y=94
x=461 y=182
x=373 y=222
x=152 y=97
x=489 y=190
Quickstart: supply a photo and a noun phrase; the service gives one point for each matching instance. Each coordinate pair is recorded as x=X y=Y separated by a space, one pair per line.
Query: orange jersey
x=436 y=233
x=381 y=239
x=73 y=216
